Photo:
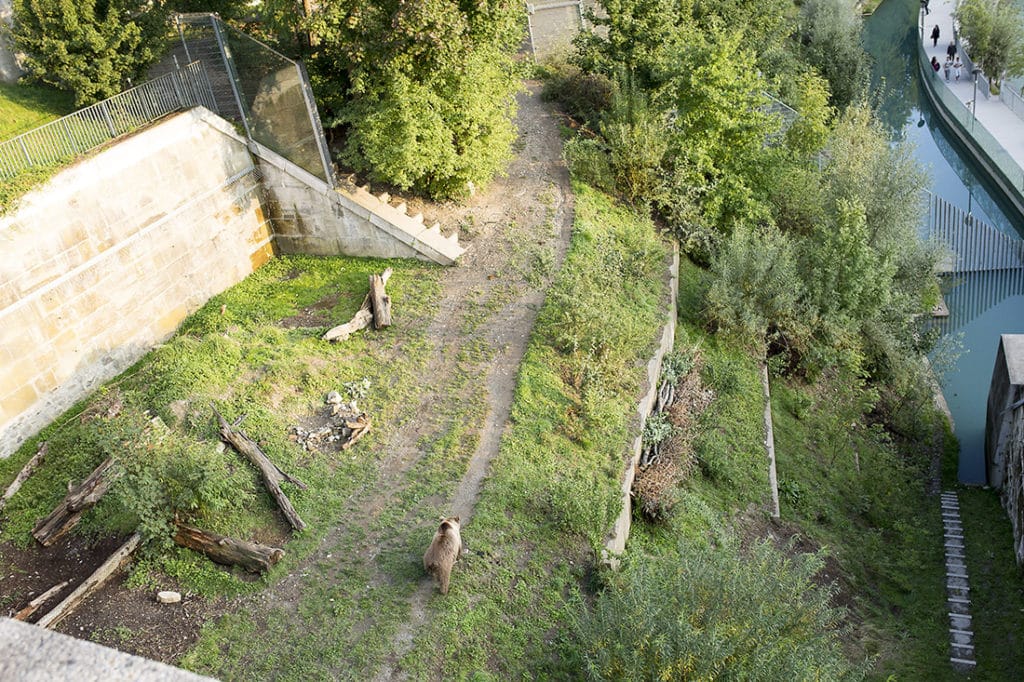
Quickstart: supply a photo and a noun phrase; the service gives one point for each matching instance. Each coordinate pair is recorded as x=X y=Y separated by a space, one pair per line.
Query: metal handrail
x=77 y=133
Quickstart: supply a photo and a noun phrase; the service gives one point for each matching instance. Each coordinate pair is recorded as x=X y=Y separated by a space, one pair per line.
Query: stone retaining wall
x=107 y=259
x=619 y=534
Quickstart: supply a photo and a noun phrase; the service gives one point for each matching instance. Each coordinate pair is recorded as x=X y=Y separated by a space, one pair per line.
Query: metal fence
x=58 y=141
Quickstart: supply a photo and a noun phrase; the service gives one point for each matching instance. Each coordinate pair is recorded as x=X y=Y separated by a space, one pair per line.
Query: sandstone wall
x=107 y=259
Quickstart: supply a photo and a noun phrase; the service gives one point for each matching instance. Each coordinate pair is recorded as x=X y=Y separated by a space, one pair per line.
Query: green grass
x=553 y=490
x=246 y=363
x=24 y=107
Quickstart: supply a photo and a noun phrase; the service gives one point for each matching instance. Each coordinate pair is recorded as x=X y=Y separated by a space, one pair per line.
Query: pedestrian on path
x=935 y=64
x=947 y=67
x=924 y=4
x=935 y=35
x=951 y=49
x=957 y=65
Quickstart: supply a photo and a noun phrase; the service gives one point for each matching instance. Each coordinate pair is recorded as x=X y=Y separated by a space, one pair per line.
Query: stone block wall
x=1004 y=433
x=106 y=261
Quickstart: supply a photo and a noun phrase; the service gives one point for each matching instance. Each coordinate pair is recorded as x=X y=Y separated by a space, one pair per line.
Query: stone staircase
x=411 y=230
x=958 y=591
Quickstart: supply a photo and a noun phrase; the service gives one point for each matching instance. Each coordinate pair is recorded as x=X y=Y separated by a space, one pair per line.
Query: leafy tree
x=831 y=40
x=704 y=613
x=89 y=47
x=994 y=32
x=423 y=90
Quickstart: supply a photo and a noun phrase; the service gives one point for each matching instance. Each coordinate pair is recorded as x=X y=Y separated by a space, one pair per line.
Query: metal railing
x=61 y=140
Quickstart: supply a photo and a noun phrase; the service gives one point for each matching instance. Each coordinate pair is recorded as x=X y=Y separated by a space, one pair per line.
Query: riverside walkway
x=995 y=122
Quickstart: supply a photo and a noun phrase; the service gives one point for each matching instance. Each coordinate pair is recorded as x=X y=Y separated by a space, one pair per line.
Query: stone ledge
x=33 y=654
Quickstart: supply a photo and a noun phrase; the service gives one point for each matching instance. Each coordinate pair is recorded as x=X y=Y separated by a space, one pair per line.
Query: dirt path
x=517 y=233
x=531 y=206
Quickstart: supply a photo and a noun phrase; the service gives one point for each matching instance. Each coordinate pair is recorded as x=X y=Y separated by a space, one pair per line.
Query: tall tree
x=994 y=32
x=831 y=39
x=90 y=47
x=424 y=91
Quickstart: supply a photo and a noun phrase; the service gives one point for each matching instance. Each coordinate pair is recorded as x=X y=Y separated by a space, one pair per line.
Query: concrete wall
x=107 y=259
x=1006 y=388
x=9 y=69
x=1004 y=433
x=314 y=218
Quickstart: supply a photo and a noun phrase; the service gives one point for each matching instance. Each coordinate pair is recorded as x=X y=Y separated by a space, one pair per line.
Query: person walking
x=957 y=65
x=935 y=64
x=951 y=49
x=924 y=4
x=935 y=35
x=947 y=67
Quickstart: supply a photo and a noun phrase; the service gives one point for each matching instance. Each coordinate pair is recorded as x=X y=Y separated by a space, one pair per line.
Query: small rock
x=168 y=597
x=333 y=398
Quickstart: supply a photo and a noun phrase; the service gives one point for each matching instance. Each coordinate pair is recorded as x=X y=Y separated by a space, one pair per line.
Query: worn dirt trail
x=531 y=206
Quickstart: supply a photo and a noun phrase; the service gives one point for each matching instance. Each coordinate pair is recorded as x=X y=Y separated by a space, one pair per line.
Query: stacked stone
x=961 y=635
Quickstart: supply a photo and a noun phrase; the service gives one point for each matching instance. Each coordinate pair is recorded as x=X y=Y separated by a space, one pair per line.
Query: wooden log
x=380 y=302
x=251 y=556
x=272 y=474
x=362 y=317
x=34 y=605
x=25 y=472
x=91 y=584
x=360 y=427
x=79 y=499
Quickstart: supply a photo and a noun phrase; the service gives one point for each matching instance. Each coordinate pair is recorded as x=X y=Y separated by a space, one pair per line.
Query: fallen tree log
x=365 y=313
x=25 y=472
x=91 y=584
x=380 y=302
x=79 y=499
x=272 y=474
x=251 y=556
x=34 y=605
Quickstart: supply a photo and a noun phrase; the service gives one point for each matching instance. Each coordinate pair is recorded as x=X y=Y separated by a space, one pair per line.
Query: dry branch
x=79 y=499
x=34 y=605
x=272 y=474
x=360 y=426
x=365 y=313
x=25 y=472
x=91 y=584
x=251 y=556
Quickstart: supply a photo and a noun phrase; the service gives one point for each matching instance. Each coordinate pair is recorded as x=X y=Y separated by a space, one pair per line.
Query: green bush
x=583 y=94
x=588 y=162
x=714 y=613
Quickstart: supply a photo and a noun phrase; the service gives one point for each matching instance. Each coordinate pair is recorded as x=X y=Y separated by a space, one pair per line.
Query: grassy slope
x=881 y=531
x=24 y=107
x=246 y=362
x=553 y=490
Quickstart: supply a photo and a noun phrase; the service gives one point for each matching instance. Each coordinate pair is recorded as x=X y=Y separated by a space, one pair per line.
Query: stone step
x=958 y=600
x=952 y=615
x=968 y=647
x=962 y=661
x=963 y=633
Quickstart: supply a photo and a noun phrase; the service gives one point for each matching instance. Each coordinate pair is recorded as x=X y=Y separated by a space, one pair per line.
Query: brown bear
x=443 y=551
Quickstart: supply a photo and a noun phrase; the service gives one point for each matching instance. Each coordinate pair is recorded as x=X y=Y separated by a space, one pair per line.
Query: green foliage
x=424 y=91
x=657 y=429
x=634 y=132
x=588 y=162
x=12 y=189
x=704 y=613
x=90 y=48
x=831 y=40
x=757 y=288
x=584 y=95
x=994 y=33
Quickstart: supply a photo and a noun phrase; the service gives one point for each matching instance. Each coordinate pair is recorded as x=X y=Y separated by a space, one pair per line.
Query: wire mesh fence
x=88 y=128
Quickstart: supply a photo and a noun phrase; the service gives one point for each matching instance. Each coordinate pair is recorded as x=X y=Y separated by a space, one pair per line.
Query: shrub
x=707 y=613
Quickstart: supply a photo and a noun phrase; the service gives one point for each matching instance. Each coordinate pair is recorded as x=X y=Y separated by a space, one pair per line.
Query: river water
x=978 y=315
